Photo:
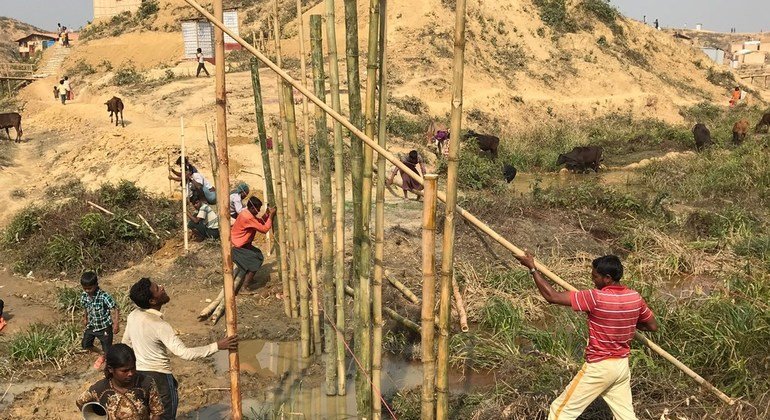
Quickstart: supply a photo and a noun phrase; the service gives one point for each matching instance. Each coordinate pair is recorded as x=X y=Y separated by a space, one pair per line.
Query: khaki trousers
x=609 y=379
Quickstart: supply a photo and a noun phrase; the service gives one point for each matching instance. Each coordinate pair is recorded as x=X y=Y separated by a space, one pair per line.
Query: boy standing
x=101 y=316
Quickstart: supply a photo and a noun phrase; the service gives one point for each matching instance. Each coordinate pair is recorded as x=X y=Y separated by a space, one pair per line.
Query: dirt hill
x=11 y=30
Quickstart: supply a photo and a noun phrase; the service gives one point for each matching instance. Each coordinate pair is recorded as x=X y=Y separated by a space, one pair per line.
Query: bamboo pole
x=293 y=174
x=256 y=86
x=184 y=186
x=223 y=181
x=170 y=182
x=428 y=297
x=379 y=223
x=339 y=205
x=468 y=216
x=280 y=231
x=408 y=323
x=403 y=289
x=448 y=237
x=311 y=254
x=325 y=186
x=460 y=306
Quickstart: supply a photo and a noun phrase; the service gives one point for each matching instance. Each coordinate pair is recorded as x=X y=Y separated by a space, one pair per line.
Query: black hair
x=88 y=279
x=195 y=197
x=254 y=202
x=413 y=155
x=118 y=356
x=609 y=265
x=200 y=50
x=140 y=293
x=61 y=81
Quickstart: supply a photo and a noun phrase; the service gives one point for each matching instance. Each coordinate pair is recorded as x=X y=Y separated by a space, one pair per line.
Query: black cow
x=115 y=106
x=486 y=142
x=11 y=119
x=765 y=121
x=581 y=158
x=702 y=136
x=509 y=172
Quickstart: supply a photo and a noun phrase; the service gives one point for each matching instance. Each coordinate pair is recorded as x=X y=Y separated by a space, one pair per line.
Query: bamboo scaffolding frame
x=469 y=217
x=223 y=181
x=325 y=188
x=428 y=409
x=311 y=254
x=379 y=224
x=295 y=186
x=339 y=204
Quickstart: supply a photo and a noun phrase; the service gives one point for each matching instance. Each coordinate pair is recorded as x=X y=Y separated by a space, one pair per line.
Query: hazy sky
x=718 y=15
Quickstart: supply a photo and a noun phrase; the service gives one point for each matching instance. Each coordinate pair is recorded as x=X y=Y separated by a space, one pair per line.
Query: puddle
x=290 y=397
x=619 y=179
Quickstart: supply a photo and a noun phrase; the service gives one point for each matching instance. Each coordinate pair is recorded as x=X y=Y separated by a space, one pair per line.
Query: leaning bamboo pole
x=280 y=235
x=448 y=236
x=325 y=187
x=256 y=86
x=428 y=297
x=379 y=228
x=460 y=305
x=212 y=152
x=408 y=294
x=295 y=186
x=184 y=186
x=223 y=183
x=408 y=323
x=468 y=216
x=311 y=254
x=339 y=205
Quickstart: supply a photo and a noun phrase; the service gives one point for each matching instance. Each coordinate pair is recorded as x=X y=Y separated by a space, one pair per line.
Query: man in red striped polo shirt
x=615 y=312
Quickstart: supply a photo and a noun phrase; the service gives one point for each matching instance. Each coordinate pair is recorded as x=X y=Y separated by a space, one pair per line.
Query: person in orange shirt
x=736 y=97
x=248 y=257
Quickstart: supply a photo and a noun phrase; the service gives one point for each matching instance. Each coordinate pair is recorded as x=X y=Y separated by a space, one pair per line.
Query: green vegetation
x=406 y=127
x=44 y=343
x=71 y=236
x=123 y=22
x=127 y=75
x=81 y=68
x=605 y=13
x=410 y=104
x=555 y=15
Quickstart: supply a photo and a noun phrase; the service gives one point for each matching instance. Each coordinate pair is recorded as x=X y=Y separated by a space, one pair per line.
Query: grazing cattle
x=11 y=119
x=740 y=129
x=702 y=136
x=764 y=122
x=581 y=158
x=115 y=106
x=509 y=172
x=486 y=142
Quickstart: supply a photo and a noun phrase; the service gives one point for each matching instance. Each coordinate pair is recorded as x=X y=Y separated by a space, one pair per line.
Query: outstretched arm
x=549 y=293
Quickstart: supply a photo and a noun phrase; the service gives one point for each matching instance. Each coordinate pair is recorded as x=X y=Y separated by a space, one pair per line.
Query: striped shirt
x=208 y=214
x=98 y=309
x=613 y=313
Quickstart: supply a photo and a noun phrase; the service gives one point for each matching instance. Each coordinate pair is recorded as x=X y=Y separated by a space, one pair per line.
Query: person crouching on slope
x=248 y=257
x=615 y=312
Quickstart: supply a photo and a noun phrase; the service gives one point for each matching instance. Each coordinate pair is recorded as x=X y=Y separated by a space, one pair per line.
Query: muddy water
x=291 y=397
x=619 y=179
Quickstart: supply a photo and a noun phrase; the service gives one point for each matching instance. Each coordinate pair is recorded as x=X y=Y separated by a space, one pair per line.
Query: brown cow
x=115 y=106
x=11 y=119
x=740 y=130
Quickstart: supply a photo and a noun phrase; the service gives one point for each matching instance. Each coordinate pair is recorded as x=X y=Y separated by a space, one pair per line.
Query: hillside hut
x=199 y=33
x=33 y=43
x=109 y=8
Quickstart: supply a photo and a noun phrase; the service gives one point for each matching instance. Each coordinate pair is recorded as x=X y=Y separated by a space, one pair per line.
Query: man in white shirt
x=201 y=66
x=152 y=338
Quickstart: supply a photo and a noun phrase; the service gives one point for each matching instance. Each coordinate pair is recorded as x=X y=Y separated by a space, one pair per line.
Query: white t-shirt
x=200 y=57
x=197 y=177
x=236 y=204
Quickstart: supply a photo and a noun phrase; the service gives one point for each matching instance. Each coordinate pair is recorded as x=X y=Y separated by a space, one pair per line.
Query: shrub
x=24 y=224
x=475 y=171
x=554 y=14
x=399 y=125
x=147 y=9
x=410 y=104
x=605 y=13
x=127 y=75
x=724 y=79
x=81 y=68
x=43 y=343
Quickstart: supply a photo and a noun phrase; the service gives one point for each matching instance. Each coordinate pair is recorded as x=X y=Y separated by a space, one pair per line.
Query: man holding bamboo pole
x=615 y=312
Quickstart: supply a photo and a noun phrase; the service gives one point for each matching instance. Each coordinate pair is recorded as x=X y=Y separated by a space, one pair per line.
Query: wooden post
x=379 y=224
x=311 y=254
x=448 y=237
x=339 y=204
x=468 y=216
x=256 y=86
x=325 y=184
x=293 y=174
x=170 y=181
x=212 y=152
x=223 y=184
x=428 y=411
x=184 y=186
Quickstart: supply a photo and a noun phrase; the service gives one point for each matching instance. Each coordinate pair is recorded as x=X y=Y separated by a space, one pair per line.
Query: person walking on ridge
x=201 y=66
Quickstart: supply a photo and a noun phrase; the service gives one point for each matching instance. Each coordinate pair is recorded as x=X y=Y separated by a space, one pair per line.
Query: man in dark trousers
x=615 y=312
x=152 y=338
x=201 y=66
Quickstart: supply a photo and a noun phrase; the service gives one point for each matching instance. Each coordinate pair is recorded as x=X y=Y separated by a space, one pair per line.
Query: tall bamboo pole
x=325 y=186
x=379 y=226
x=223 y=183
x=364 y=306
x=311 y=254
x=269 y=191
x=292 y=240
x=428 y=411
x=280 y=236
x=468 y=216
x=184 y=185
x=448 y=238
x=339 y=205
x=295 y=186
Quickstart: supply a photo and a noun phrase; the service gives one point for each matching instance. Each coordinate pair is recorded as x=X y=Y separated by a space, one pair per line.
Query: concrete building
x=109 y=8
